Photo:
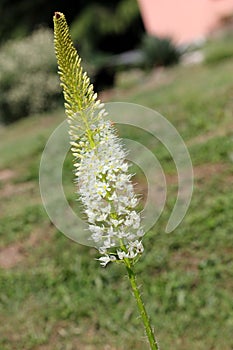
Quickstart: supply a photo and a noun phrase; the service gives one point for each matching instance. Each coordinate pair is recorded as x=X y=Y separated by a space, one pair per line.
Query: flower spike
x=102 y=177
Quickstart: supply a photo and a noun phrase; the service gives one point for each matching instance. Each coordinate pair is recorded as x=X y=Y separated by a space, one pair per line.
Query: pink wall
x=183 y=20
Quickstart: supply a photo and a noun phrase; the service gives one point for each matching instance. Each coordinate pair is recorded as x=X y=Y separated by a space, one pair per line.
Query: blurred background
x=176 y=58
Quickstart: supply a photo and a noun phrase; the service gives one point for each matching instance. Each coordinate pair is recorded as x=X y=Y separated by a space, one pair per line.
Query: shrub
x=28 y=80
x=159 y=52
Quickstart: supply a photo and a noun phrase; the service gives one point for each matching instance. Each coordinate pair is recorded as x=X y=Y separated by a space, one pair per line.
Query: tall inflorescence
x=103 y=181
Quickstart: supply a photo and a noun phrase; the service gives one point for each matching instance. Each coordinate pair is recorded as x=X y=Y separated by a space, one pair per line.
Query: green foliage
x=21 y=17
x=159 y=52
x=28 y=80
x=98 y=15
x=99 y=27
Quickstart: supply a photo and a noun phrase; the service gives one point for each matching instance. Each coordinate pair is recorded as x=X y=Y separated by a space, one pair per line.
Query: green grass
x=219 y=50
x=56 y=296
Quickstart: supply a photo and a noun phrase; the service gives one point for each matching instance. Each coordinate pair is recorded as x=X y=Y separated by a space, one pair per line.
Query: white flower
x=107 y=193
x=104 y=260
x=133 y=219
x=134 y=249
x=121 y=254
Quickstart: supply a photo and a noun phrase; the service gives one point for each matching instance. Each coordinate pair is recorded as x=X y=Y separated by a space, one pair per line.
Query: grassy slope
x=54 y=295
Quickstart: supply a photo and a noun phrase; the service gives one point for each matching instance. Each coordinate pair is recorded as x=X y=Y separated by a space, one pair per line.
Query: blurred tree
x=21 y=17
x=103 y=29
x=111 y=28
x=93 y=20
x=100 y=28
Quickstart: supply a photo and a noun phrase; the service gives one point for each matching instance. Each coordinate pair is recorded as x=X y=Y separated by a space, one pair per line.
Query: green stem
x=141 y=307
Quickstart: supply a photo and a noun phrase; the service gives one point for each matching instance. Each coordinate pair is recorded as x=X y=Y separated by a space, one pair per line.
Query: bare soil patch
x=10 y=189
x=204 y=171
x=186 y=260
x=14 y=253
x=6 y=174
x=11 y=256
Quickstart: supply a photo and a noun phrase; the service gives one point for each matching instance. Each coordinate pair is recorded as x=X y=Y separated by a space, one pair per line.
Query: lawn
x=54 y=294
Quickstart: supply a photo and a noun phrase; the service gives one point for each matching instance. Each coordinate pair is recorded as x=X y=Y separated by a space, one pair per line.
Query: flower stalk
x=103 y=181
x=141 y=307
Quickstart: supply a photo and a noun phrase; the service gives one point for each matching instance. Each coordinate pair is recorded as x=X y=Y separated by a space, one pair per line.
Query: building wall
x=183 y=20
